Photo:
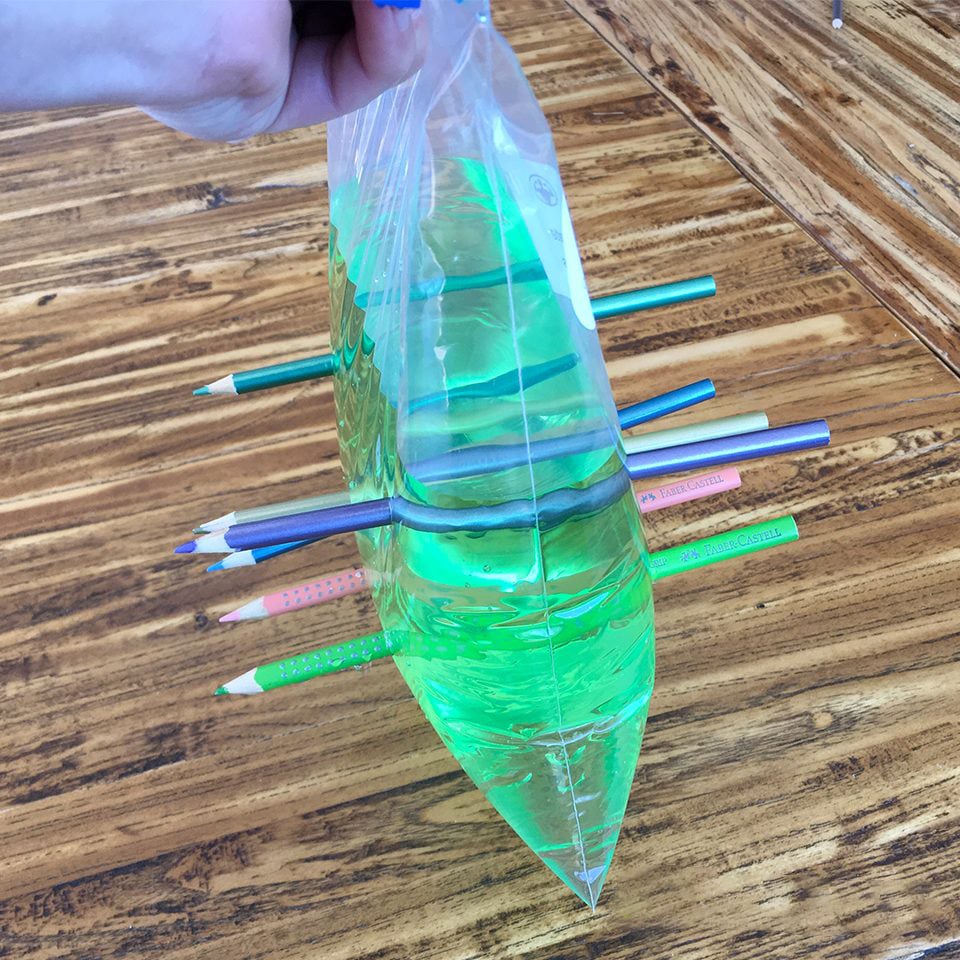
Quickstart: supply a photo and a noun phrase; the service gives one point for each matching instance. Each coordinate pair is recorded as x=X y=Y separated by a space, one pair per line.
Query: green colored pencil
x=724 y=546
x=708 y=430
x=306 y=666
x=268 y=511
x=373 y=646
x=324 y=365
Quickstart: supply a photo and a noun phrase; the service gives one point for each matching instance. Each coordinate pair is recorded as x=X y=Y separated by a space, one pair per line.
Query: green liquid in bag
x=531 y=651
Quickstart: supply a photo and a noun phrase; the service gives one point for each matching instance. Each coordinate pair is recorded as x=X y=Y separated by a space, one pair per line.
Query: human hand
x=214 y=69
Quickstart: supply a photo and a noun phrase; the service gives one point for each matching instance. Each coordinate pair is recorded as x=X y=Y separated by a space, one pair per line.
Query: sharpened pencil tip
x=215 y=566
x=202 y=392
x=199 y=530
x=230 y=617
x=187 y=547
x=220 y=691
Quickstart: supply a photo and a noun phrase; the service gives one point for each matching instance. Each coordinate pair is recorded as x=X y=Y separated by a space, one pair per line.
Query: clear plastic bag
x=472 y=391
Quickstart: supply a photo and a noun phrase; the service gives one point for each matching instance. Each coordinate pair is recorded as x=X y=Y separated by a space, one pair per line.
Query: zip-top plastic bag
x=472 y=391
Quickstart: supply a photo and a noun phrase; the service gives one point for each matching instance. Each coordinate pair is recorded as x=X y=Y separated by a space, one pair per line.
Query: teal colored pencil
x=647 y=298
x=519 y=273
x=278 y=374
x=355 y=653
x=324 y=365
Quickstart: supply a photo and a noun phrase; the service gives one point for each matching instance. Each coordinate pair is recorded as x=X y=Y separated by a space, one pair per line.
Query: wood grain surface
x=797 y=792
x=855 y=132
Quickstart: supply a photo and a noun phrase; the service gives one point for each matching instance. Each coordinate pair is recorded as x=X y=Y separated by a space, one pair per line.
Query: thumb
x=332 y=76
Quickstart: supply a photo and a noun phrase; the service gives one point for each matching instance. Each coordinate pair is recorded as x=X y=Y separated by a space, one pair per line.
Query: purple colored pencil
x=744 y=446
x=554 y=507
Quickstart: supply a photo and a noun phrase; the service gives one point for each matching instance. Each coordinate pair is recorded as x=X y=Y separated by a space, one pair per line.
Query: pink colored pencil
x=692 y=488
x=354 y=581
x=306 y=595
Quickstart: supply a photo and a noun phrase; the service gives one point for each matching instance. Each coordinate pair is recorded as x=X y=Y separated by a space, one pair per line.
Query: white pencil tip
x=245 y=685
x=837 y=23
x=222 y=387
x=211 y=543
x=242 y=558
x=254 y=610
x=221 y=523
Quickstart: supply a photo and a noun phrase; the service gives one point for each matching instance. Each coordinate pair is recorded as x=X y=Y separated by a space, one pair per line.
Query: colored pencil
x=313 y=525
x=666 y=403
x=277 y=374
x=691 y=488
x=373 y=646
x=269 y=510
x=481 y=457
x=656 y=440
x=455 y=283
x=317 y=524
x=837 y=14
x=724 y=546
x=504 y=385
x=655 y=498
x=306 y=666
x=345 y=582
x=647 y=298
x=249 y=558
x=324 y=365
x=708 y=430
x=745 y=446
x=340 y=584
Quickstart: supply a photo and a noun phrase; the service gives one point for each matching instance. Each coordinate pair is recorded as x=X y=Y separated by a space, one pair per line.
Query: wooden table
x=853 y=132
x=797 y=792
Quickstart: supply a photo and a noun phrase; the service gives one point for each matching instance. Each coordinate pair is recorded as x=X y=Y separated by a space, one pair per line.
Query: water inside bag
x=530 y=649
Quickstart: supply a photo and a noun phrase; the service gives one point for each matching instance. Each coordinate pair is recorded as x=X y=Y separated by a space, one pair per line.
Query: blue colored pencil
x=248 y=558
x=670 y=402
x=489 y=457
